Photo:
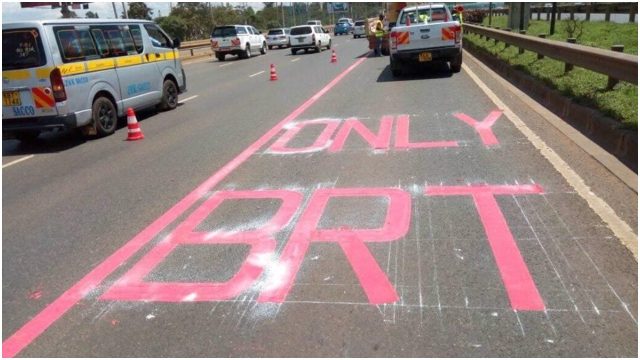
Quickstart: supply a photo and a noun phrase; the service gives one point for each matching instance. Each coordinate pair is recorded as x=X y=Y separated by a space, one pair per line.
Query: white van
x=84 y=74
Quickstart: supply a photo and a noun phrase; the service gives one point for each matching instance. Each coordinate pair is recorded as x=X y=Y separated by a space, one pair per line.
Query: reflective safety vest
x=423 y=18
x=379 y=29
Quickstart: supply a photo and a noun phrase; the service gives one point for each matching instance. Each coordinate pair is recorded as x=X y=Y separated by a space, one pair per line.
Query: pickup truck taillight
x=235 y=42
x=458 y=30
x=214 y=44
x=313 y=38
x=394 y=40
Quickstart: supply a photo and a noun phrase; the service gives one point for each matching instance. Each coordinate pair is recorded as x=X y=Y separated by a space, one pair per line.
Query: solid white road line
x=17 y=161
x=227 y=64
x=621 y=229
x=187 y=99
x=256 y=74
x=296 y=59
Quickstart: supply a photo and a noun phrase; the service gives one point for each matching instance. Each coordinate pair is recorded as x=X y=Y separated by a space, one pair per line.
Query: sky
x=11 y=10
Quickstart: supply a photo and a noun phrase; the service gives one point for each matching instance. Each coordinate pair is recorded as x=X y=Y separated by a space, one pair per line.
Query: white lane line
x=187 y=99
x=296 y=59
x=256 y=74
x=227 y=64
x=621 y=229
x=17 y=161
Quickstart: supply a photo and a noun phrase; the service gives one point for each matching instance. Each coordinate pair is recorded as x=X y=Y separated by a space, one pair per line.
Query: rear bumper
x=303 y=46
x=437 y=54
x=231 y=50
x=279 y=42
x=10 y=126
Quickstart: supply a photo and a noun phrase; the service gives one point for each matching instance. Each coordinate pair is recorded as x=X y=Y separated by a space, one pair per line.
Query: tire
x=271 y=47
x=329 y=46
x=169 y=95
x=456 y=64
x=318 y=47
x=27 y=136
x=247 y=52
x=294 y=51
x=396 y=69
x=220 y=57
x=263 y=49
x=104 y=116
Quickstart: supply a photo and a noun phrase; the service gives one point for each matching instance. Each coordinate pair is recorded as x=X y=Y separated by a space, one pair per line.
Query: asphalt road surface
x=335 y=212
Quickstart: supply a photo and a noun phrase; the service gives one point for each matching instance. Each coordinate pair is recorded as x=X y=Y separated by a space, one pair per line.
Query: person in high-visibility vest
x=379 y=32
x=424 y=18
x=458 y=11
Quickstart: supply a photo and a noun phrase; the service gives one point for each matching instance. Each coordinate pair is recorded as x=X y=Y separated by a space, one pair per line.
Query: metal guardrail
x=616 y=65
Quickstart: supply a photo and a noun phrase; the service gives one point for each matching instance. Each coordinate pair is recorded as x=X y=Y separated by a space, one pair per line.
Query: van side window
x=158 y=38
x=137 y=37
x=74 y=44
x=101 y=42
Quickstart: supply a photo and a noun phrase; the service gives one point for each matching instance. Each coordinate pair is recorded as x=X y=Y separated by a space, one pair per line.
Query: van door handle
x=147 y=56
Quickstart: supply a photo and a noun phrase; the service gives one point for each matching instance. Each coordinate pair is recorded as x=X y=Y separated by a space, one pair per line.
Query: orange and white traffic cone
x=274 y=76
x=133 y=129
x=334 y=59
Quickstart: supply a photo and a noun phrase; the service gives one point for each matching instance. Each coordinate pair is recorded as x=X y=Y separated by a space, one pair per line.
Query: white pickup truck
x=423 y=34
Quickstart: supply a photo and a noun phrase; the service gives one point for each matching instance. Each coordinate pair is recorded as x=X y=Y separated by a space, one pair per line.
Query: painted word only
x=335 y=134
x=280 y=275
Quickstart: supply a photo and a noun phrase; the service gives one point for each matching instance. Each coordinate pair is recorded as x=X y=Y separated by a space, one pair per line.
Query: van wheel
x=169 y=95
x=27 y=136
x=104 y=116
x=263 y=49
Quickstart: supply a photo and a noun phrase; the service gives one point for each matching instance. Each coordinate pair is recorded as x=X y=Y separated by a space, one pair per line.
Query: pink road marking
x=132 y=287
x=38 y=324
x=521 y=289
x=352 y=241
x=321 y=142
x=379 y=141
x=402 y=137
x=483 y=127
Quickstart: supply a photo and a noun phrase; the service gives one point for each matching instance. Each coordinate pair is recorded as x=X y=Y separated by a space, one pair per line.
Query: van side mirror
x=176 y=43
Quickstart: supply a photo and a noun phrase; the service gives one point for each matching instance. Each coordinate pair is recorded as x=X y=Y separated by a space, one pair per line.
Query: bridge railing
x=616 y=65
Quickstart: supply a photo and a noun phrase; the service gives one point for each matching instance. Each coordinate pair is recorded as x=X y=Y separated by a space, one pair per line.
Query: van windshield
x=22 y=49
x=224 y=31
x=301 y=30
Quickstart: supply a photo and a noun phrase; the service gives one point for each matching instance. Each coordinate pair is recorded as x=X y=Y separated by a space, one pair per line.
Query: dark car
x=342 y=28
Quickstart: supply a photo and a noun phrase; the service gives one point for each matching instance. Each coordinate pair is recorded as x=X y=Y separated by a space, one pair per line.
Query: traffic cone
x=334 y=59
x=133 y=129
x=274 y=76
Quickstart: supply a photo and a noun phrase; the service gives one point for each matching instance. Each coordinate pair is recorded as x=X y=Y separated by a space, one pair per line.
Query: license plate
x=300 y=40
x=424 y=56
x=11 y=98
x=224 y=48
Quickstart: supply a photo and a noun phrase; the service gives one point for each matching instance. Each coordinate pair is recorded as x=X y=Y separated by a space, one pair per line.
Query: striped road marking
x=296 y=59
x=256 y=74
x=17 y=161
x=187 y=99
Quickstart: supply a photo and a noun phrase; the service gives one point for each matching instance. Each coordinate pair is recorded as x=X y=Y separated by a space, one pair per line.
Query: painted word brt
x=335 y=133
x=519 y=285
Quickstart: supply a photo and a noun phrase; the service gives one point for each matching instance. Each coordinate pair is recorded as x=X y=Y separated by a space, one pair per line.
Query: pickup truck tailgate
x=425 y=36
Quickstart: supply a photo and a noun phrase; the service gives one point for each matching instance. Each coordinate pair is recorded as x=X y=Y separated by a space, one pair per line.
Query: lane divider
x=17 y=161
x=52 y=312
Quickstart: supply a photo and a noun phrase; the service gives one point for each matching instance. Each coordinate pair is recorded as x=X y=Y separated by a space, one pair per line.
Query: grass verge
x=584 y=86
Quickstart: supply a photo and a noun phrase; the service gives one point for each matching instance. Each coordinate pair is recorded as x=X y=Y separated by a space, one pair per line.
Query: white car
x=278 y=37
x=238 y=40
x=305 y=37
x=358 y=29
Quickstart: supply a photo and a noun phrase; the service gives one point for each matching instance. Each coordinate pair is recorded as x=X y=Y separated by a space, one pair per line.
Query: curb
x=601 y=129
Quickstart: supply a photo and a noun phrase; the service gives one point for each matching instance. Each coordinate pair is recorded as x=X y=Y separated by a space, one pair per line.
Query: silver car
x=358 y=29
x=278 y=37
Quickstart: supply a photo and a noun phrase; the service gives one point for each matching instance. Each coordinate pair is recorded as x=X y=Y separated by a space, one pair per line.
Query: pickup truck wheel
x=220 y=57
x=271 y=47
x=294 y=51
x=247 y=52
x=104 y=116
x=396 y=70
x=329 y=46
x=263 y=49
x=456 y=64
x=319 y=47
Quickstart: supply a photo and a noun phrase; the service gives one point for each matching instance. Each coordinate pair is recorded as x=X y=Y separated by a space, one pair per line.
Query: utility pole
x=115 y=12
x=293 y=9
x=282 y=11
x=124 y=9
x=552 y=28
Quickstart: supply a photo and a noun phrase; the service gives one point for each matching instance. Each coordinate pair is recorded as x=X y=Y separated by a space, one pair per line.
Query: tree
x=139 y=10
x=175 y=26
x=91 y=15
